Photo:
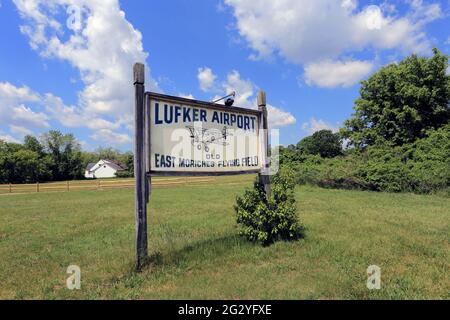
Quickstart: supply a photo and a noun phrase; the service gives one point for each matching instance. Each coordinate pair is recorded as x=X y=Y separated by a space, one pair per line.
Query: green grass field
x=196 y=253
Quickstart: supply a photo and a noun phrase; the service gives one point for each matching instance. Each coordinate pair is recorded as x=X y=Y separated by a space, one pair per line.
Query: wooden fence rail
x=68 y=186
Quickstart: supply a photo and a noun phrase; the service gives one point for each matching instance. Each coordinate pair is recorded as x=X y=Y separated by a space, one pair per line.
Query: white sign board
x=188 y=136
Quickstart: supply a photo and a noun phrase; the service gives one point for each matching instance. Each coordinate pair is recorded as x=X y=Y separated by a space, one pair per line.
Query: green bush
x=124 y=174
x=265 y=220
x=421 y=167
x=429 y=162
x=344 y=173
x=339 y=173
x=385 y=169
x=308 y=171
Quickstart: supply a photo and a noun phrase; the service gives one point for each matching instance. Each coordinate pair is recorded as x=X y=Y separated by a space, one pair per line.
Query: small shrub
x=124 y=174
x=430 y=161
x=309 y=170
x=265 y=220
x=386 y=169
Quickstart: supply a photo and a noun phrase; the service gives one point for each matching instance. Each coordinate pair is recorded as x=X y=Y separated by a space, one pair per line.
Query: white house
x=103 y=169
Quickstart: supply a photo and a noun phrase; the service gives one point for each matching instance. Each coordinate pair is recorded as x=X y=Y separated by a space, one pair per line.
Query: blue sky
x=72 y=72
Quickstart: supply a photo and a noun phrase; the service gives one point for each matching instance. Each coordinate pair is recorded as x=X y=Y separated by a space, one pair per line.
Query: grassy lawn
x=196 y=253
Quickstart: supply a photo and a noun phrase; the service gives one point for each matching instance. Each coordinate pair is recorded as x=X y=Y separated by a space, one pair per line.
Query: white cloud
x=20 y=131
x=448 y=71
x=15 y=109
x=245 y=98
x=206 y=79
x=307 y=32
x=186 y=96
x=16 y=105
x=104 y=50
x=73 y=117
x=425 y=13
x=349 y=5
x=244 y=89
x=373 y=17
x=11 y=92
x=315 y=125
x=388 y=8
x=9 y=138
x=24 y=114
x=304 y=31
x=330 y=74
x=279 y=118
x=112 y=137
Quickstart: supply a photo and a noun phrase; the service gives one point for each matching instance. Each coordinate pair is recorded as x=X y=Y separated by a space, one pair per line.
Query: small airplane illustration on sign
x=203 y=138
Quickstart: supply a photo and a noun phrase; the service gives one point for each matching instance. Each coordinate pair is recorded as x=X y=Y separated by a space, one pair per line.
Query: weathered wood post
x=139 y=166
x=147 y=146
x=264 y=177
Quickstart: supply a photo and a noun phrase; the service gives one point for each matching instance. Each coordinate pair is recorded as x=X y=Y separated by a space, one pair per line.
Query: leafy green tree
x=289 y=155
x=32 y=143
x=127 y=159
x=27 y=167
x=401 y=102
x=3 y=162
x=108 y=154
x=65 y=160
x=324 y=143
x=7 y=165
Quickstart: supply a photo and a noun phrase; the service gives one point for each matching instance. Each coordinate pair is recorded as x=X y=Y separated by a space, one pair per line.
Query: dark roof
x=116 y=165
x=113 y=164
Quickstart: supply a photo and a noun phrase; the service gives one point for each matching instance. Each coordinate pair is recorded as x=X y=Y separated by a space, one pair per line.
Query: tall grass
x=195 y=252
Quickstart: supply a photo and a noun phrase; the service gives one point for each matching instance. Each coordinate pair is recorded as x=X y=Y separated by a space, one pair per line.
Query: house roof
x=116 y=165
x=113 y=164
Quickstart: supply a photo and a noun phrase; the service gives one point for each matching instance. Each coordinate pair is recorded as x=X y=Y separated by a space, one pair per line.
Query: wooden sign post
x=183 y=137
x=264 y=177
x=139 y=167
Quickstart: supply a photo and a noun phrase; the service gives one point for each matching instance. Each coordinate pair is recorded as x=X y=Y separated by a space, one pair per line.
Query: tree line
x=398 y=138
x=52 y=157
